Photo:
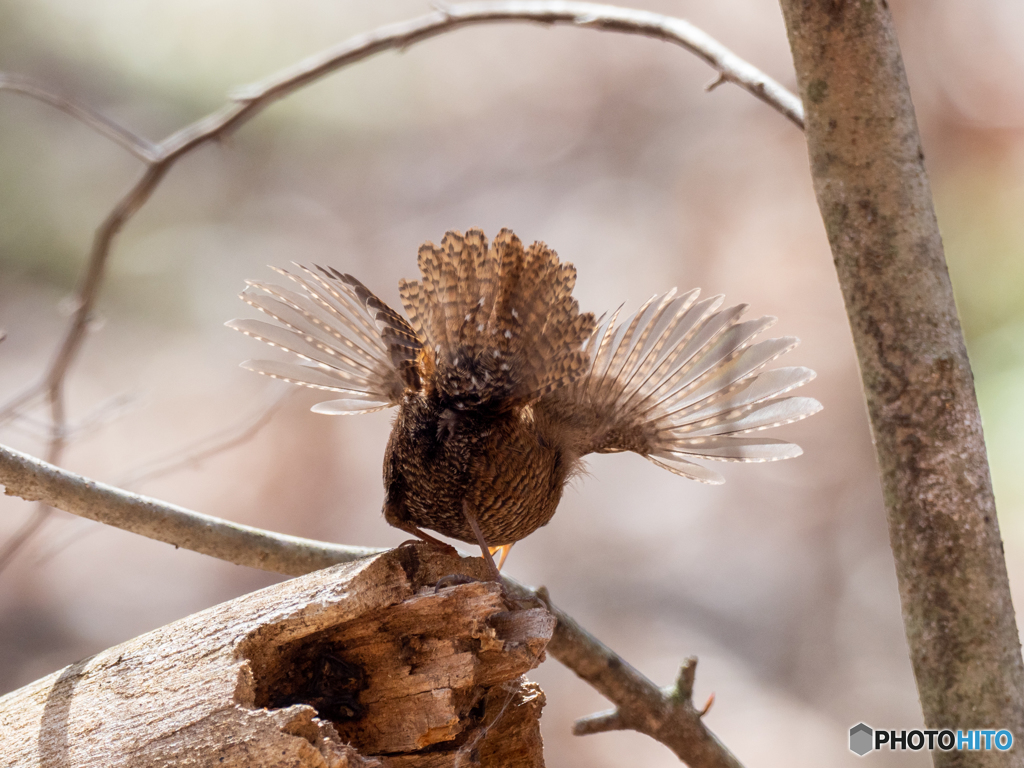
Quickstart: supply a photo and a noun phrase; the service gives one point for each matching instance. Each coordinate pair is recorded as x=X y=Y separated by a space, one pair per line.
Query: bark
x=875 y=199
x=363 y=664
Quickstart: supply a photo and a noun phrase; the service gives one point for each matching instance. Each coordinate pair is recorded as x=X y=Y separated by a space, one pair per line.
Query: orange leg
x=504 y=549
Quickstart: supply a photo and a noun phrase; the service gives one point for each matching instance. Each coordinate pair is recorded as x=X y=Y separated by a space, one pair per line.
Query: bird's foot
x=440 y=546
x=424 y=537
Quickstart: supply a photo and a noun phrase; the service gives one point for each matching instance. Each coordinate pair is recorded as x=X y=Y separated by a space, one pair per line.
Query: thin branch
x=599 y=722
x=206 y=448
x=55 y=450
x=23 y=534
x=138 y=146
x=78 y=530
x=36 y=480
x=684 y=680
x=12 y=408
x=720 y=80
x=668 y=716
x=606 y=18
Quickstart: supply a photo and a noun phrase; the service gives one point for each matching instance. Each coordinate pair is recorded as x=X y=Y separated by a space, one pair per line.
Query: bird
x=502 y=386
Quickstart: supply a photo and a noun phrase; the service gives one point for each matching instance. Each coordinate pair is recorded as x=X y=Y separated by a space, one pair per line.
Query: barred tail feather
x=499 y=322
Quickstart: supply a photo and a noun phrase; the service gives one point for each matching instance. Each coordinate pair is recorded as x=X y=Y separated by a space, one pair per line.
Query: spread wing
x=347 y=340
x=682 y=379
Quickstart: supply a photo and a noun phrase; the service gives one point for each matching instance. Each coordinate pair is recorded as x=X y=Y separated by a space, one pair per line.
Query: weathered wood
x=363 y=664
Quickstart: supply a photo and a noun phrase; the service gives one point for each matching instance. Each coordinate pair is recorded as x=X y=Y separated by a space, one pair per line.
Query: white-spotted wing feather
x=682 y=379
x=336 y=336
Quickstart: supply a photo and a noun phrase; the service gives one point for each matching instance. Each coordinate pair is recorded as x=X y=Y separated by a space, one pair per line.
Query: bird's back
x=500 y=330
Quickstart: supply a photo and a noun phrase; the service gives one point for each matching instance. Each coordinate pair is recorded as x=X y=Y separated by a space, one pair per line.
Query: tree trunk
x=363 y=664
x=874 y=196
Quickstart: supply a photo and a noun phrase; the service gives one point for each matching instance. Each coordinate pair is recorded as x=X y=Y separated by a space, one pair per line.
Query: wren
x=502 y=385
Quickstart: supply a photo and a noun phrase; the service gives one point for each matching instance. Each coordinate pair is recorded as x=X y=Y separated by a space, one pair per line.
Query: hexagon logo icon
x=861 y=738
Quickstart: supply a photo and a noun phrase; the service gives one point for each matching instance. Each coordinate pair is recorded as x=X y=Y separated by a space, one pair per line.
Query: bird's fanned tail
x=499 y=323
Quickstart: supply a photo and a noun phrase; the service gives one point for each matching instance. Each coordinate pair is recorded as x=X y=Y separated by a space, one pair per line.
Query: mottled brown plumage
x=502 y=385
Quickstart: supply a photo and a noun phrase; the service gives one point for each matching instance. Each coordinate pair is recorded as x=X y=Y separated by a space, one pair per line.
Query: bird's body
x=503 y=386
x=508 y=468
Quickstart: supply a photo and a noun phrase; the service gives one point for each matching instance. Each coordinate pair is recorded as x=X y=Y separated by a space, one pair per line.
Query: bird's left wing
x=682 y=379
x=348 y=340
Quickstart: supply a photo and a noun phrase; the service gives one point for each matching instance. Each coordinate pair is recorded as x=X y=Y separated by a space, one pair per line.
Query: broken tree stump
x=363 y=664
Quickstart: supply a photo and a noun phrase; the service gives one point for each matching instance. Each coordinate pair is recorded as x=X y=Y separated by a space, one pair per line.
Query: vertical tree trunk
x=875 y=199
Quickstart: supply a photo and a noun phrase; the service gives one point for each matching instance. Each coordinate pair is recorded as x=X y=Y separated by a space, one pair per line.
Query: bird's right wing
x=348 y=340
x=681 y=379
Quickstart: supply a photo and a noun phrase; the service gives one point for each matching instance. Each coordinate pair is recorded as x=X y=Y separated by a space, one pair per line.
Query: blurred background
x=606 y=147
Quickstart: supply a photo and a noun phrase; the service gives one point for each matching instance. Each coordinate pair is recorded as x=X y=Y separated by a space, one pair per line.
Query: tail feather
x=751 y=417
x=400 y=339
x=494 y=325
x=499 y=320
x=658 y=363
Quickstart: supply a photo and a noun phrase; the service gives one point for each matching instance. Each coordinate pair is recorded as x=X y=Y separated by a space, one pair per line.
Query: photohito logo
x=864 y=739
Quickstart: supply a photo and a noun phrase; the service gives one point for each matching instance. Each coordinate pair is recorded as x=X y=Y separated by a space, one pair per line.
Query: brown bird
x=503 y=386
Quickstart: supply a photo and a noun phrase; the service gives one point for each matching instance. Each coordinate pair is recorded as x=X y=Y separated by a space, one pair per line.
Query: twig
x=36 y=480
x=246 y=102
x=720 y=80
x=205 y=448
x=642 y=706
x=197 y=452
x=23 y=534
x=55 y=450
x=77 y=531
x=100 y=123
x=599 y=722
x=607 y=18
x=669 y=717
x=105 y=413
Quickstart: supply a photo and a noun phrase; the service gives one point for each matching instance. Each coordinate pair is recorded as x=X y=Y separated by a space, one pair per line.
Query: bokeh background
x=606 y=147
